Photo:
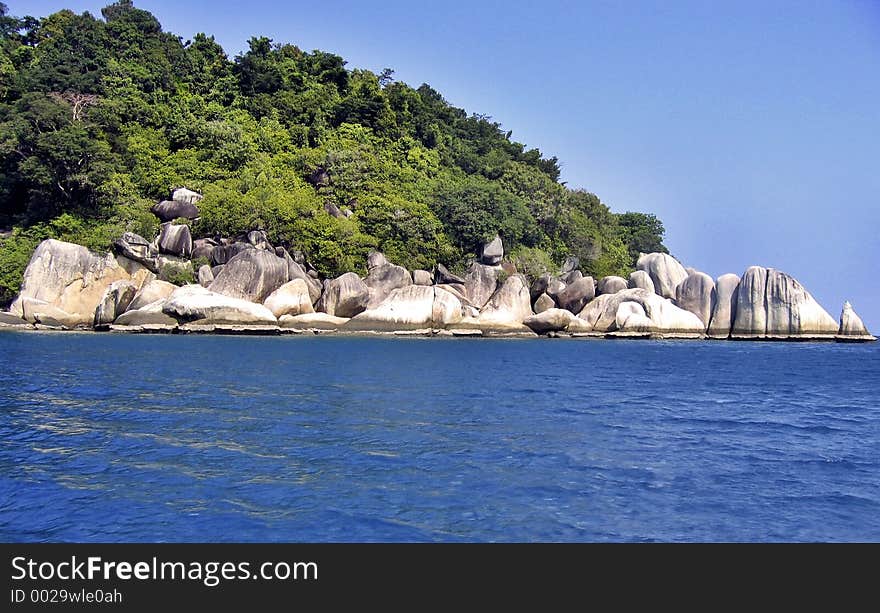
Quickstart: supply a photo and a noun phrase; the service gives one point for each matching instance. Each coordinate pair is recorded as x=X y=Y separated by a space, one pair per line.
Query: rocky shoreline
x=249 y=286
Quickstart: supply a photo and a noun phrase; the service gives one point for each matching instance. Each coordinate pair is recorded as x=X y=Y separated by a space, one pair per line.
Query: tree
x=641 y=233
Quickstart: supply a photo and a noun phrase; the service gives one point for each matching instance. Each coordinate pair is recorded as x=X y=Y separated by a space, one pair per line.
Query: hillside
x=101 y=117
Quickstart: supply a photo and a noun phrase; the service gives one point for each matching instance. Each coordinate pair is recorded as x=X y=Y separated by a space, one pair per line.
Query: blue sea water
x=108 y=437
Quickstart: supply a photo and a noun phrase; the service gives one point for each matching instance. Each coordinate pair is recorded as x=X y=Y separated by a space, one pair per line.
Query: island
x=249 y=286
x=154 y=184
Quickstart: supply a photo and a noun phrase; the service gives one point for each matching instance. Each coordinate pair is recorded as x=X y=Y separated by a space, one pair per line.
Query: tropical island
x=306 y=197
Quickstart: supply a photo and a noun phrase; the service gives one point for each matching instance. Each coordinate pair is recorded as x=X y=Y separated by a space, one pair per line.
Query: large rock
x=697 y=295
x=376 y=259
x=725 y=306
x=611 y=285
x=442 y=276
x=544 y=303
x=221 y=254
x=37 y=311
x=185 y=196
x=409 y=308
x=480 y=283
x=551 y=320
x=344 y=296
x=509 y=306
x=175 y=240
x=640 y=279
x=666 y=318
x=665 y=271
x=169 y=210
x=851 y=324
x=195 y=303
x=493 y=252
x=202 y=248
x=548 y=284
x=148 y=315
x=296 y=270
x=772 y=304
x=422 y=277
x=150 y=292
x=383 y=278
x=571 y=276
x=8 y=320
x=251 y=275
x=631 y=317
x=73 y=279
x=117 y=298
x=206 y=275
x=292 y=298
x=575 y=296
x=317 y=322
x=259 y=240
x=136 y=248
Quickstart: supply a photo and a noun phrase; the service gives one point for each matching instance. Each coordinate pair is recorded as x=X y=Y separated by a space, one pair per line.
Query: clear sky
x=752 y=129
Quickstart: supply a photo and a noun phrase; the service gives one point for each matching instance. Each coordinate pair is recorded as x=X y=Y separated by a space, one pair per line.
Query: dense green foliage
x=101 y=117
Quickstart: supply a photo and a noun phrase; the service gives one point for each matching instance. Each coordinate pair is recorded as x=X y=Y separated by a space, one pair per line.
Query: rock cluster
x=251 y=286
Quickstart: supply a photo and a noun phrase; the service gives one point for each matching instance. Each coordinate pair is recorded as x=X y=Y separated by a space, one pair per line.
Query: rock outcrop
x=493 y=252
x=175 y=240
x=221 y=254
x=8 y=320
x=442 y=276
x=480 y=283
x=251 y=275
x=575 y=296
x=383 y=278
x=725 y=306
x=509 y=306
x=297 y=270
x=544 y=303
x=202 y=248
x=116 y=300
x=665 y=271
x=150 y=292
x=551 y=320
x=314 y=322
x=150 y=315
x=666 y=318
x=169 y=210
x=344 y=296
x=697 y=294
x=195 y=303
x=205 y=275
x=422 y=277
x=611 y=285
x=631 y=317
x=772 y=304
x=851 y=325
x=73 y=280
x=292 y=298
x=138 y=249
x=639 y=279
x=410 y=308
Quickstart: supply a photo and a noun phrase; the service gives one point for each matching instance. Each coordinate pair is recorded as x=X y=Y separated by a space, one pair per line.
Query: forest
x=101 y=117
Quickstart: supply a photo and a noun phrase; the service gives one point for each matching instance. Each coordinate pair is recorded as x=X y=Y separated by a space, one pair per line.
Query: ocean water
x=108 y=437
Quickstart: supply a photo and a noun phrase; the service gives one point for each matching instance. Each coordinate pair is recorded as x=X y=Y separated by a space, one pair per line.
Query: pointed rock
x=851 y=325
x=611 y=285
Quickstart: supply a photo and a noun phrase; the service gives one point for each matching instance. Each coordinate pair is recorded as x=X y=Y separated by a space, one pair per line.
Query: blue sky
x=752 y=129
